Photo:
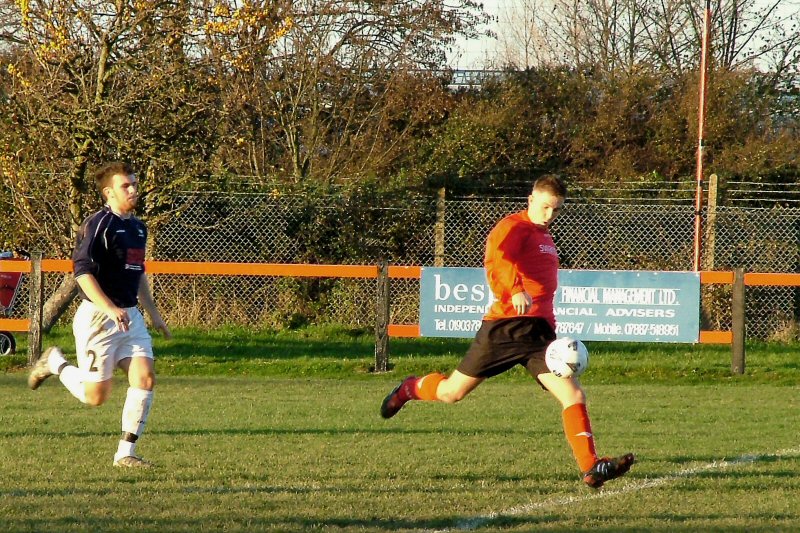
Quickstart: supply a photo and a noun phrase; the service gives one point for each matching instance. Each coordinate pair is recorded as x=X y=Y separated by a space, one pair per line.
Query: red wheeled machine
x=9 y=287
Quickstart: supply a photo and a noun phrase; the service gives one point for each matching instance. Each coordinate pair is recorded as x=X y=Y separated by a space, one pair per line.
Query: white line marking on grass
x=634 y=486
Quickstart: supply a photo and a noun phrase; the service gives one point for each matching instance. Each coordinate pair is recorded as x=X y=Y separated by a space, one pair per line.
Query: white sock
x=134 y=417
x=73 y=377
x=124 y=449
x=55 y=360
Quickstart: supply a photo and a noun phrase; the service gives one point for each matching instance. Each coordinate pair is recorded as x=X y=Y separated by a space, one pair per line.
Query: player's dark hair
x=102 y=177
x=552 y=184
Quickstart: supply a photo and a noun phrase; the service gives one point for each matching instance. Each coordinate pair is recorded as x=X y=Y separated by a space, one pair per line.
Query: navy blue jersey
x=112 y=250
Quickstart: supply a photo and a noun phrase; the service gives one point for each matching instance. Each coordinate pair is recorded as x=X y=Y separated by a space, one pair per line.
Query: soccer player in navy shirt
x=108 y=327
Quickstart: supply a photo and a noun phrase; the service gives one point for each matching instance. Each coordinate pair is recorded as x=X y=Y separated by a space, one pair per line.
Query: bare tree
x=618 y=35
x=308 y=81
x=87 y=81
x=761 y=34
x=521 y=45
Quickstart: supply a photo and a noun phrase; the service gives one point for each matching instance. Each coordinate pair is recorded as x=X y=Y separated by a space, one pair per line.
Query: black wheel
x=8 y=345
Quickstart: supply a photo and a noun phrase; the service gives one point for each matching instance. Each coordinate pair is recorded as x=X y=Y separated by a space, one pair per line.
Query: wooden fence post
x=438 y=229
x=382 y=319
x=711 y=222
x=738 y=325
x=36 y=288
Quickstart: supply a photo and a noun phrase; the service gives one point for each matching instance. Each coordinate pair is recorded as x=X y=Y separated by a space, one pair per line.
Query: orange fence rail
x=223 y=269
x=355 y=271
x=754 y=279
x=709 y=277
x=233 y=269
x=14 y=324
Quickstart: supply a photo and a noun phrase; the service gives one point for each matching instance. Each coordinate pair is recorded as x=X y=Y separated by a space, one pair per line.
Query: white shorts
x=100 y=345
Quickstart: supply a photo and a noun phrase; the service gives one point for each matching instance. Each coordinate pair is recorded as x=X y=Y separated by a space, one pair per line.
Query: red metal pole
x=701 y=115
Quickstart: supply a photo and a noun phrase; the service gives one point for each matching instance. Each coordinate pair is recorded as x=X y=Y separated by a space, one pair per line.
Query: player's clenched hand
x=120 y=317
x=521 y=302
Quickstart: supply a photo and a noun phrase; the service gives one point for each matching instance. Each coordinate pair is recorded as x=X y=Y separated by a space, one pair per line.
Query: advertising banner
x=608 y=305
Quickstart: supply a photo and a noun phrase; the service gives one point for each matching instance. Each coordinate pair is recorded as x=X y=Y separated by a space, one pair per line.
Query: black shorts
x=502 y=344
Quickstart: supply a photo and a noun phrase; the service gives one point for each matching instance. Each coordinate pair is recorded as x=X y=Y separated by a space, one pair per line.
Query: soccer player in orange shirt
x=521 y=264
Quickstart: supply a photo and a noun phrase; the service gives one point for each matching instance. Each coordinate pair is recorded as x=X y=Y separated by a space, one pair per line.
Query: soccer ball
x=567 y=357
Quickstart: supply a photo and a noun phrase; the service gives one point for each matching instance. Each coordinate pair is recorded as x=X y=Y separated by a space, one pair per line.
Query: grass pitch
x=304 y=452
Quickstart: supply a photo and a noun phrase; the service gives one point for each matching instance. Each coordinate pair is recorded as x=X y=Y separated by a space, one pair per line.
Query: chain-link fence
x=661 y=237
x=265 y=228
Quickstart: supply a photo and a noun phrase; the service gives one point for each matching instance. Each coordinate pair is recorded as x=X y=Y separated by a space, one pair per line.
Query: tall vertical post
x=382 y=319
x=738 y=325
x=701 y=116
x=36 y=291
x=438 y=231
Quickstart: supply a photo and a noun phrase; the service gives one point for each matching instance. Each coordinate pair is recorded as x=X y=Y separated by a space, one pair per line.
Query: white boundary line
x=484 y=520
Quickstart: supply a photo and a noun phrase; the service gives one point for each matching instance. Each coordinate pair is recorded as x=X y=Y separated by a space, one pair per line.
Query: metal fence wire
x=265 y=228
x=659 y=237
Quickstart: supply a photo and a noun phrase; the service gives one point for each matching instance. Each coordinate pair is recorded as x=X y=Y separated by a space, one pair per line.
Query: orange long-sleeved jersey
x=521 y=256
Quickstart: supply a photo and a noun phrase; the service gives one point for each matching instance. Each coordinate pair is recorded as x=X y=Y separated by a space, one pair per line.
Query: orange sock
x=427 y=385
x=578 y=430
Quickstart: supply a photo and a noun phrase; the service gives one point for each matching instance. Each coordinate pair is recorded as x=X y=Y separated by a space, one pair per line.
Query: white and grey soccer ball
x=567 y=357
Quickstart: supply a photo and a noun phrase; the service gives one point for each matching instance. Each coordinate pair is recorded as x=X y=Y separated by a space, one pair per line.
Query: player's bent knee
x=145 y=381
x=577 y=395
x=141 y=377
x=572 y=397
x=141 y=374
x=451 y=396
x=97 y=397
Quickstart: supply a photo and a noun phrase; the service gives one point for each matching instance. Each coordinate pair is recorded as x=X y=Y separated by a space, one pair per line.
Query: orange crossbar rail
x=234 y=269
x=354 y=271
x=716 y=337
x=710 y=277
x=260 y=269
x=48 y=265
x=14 y=324
x=753 y=279
x=404 y=330
x=228 y=269
x=718 y=277
x=760 y=279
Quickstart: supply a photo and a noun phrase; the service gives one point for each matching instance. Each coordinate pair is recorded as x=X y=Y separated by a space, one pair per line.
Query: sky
x=472 y=54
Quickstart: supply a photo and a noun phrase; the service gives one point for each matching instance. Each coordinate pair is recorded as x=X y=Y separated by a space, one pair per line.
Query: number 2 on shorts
x=92 y=366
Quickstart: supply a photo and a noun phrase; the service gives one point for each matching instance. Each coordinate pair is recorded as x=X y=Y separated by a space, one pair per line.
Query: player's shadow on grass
x=433 y=524
x=245 y=348
x=496 y=523
x=254 y=523
x=333 y=431
x=200 y=432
